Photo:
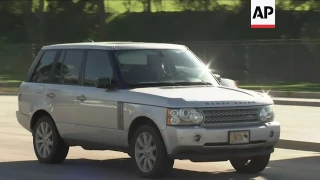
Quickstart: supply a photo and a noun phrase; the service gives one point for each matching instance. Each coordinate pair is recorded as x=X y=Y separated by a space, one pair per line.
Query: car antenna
x=92 y=41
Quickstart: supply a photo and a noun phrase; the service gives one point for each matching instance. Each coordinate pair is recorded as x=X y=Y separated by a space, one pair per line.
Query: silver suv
x=156 y=102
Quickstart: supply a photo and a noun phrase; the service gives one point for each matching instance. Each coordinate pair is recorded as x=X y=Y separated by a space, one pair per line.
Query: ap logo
x=263 y=14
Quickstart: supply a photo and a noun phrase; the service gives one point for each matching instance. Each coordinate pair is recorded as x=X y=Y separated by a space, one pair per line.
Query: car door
x=97 y=108
x=33 y=91
x=63 y=91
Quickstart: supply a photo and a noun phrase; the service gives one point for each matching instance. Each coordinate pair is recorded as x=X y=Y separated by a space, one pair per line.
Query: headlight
x=184 y=117
x=267 y=113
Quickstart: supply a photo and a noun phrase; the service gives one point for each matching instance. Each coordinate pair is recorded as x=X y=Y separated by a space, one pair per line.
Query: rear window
x=68 y=68
x=43 y=69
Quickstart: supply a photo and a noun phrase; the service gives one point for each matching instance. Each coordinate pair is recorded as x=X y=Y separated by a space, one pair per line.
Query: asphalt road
x=18 y=162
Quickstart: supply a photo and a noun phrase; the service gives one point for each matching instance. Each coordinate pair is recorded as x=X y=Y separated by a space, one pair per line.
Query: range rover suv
x=156 y=102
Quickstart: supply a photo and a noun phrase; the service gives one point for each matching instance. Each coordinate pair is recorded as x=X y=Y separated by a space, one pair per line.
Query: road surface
x=18 y=162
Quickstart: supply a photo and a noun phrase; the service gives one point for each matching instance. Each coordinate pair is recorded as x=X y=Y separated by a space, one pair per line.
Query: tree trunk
x=40 y=26
x=146 y=5
x=102 y=15
x=149 y=5
x=27 y=9
x=41 y=22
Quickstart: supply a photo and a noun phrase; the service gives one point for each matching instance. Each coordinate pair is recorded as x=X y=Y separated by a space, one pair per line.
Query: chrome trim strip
x=235 y=146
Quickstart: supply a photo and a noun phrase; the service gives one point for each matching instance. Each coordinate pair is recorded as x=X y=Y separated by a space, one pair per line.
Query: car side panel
x=62 y=107
x=30 y=99
x=132 y=111
x=97 y=117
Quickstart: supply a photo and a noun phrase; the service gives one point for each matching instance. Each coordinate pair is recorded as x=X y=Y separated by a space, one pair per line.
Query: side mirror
x=218 y=77
x=105 y=82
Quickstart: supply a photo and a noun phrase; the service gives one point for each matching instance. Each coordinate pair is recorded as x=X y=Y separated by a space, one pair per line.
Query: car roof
x=114 y=46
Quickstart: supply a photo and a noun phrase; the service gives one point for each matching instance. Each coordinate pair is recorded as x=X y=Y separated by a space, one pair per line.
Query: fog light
x=197 y=138
x=271 y=133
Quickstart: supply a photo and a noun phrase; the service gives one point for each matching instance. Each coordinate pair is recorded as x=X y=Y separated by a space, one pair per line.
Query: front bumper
x=214 y=145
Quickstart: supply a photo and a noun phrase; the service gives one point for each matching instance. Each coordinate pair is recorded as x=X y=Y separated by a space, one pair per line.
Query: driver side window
x=97 y=65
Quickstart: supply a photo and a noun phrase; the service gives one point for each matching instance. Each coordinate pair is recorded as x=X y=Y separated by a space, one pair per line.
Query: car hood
x=196 y=96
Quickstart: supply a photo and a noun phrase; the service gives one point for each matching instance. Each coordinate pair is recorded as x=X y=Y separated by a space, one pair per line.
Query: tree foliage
x=39 y=22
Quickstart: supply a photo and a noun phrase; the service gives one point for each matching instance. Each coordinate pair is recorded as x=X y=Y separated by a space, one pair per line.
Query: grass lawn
x=11 y=78
x=10 y=83
x=120 y=6
x=9 y=89
x=306 y=87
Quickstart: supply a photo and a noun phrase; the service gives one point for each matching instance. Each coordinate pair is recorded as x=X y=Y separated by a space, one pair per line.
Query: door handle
x=51 y=95
x=81 y=98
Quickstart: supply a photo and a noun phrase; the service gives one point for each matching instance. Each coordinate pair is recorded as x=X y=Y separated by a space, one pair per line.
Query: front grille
x=226 y=116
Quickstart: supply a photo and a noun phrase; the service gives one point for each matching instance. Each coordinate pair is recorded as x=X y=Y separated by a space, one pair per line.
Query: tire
x=251 y=166
x=158 y=157
x=57 y=150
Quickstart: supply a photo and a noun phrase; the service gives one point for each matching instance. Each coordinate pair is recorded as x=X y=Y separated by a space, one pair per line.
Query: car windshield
x=162 y=68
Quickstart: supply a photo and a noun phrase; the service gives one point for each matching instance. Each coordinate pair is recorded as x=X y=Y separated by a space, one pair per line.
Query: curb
x=291 y=94
x=298 y=145
x=8 y=94
x=297 y=103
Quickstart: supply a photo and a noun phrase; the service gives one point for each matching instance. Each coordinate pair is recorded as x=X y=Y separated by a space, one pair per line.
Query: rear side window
x=68 y=68
x=43 y=69
x=97 y=66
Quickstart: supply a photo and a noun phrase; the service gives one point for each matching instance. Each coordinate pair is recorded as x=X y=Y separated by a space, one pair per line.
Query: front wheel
x=251 y=166
x=149 y=153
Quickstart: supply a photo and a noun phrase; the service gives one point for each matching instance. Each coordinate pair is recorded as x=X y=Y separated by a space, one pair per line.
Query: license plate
x=239 y=137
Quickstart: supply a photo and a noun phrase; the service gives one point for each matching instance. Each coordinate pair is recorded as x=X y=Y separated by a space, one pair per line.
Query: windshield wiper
x=155 y=84
x=179 y=83
x=194 y=83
